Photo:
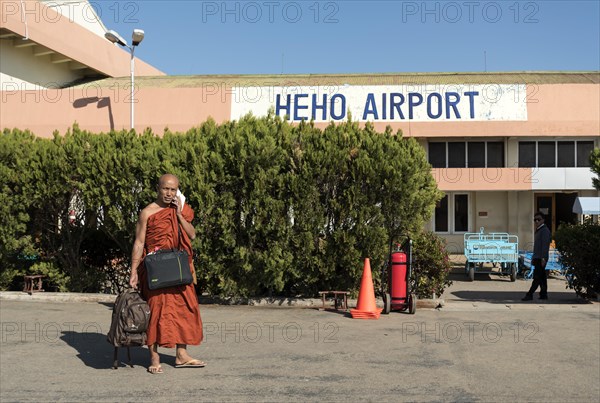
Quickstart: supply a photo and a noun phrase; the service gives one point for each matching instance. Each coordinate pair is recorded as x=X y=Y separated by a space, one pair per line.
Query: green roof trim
x=215 y=81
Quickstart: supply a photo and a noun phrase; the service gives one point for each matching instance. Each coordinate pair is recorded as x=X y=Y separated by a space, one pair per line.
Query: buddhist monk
x=174 y=313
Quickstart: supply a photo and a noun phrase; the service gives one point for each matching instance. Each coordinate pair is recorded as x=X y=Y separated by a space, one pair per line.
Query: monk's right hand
x=133 y=279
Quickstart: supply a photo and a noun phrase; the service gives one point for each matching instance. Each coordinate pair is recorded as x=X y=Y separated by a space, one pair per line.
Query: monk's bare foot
x=155 y=369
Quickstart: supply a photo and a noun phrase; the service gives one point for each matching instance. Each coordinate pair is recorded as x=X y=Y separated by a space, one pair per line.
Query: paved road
x=484 y=345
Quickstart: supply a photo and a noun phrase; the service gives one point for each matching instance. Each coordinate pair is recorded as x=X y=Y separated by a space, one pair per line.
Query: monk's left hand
x=175 y=202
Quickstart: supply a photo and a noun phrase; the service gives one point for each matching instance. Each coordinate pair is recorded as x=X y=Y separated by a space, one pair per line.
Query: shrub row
x=281 y=209
x=578 y=246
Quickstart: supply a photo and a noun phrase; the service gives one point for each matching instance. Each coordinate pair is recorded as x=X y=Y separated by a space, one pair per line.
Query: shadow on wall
x=101 y=102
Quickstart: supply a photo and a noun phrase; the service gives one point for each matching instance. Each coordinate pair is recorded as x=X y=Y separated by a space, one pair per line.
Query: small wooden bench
x=340 y=298
x=33 y=283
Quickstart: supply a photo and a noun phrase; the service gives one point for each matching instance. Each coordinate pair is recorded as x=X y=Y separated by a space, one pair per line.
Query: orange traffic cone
x=366 y=307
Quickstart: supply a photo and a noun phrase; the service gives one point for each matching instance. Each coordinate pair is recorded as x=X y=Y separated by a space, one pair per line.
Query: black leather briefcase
x=168 y=268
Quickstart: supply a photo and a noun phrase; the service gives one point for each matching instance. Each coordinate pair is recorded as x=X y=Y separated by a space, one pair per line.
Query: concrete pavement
x=483 y=345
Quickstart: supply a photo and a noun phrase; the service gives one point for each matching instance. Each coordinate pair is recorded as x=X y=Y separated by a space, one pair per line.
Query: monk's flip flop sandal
x=191 y=364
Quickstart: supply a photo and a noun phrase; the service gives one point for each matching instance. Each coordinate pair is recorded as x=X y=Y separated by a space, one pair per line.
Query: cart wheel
x=412 y=304
x=569 y=278
x=520 y=265
x=471 y=273
x=387 y=303
x=513 y=272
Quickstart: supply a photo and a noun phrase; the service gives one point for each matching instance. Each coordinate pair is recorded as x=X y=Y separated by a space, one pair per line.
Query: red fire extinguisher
x=399 y=296
x=398 y=273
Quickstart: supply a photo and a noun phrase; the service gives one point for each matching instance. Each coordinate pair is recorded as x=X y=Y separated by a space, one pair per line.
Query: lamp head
x=114 y=37
x=137 y=37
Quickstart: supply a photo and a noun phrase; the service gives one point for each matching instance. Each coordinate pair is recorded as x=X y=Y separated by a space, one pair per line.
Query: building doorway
x=558 y=208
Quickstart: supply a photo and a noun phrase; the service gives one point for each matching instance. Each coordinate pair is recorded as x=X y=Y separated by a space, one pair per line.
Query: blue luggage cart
x=553 y=264
x=497 y=248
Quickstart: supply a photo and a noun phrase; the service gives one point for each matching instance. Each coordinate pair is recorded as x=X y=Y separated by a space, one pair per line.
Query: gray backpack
x=130 y=318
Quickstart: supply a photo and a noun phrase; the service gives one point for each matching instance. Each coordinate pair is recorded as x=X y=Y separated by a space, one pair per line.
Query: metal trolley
x=497 y=248
x=554 y=263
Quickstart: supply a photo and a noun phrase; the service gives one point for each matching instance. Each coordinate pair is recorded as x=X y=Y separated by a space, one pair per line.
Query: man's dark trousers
x=539 y=279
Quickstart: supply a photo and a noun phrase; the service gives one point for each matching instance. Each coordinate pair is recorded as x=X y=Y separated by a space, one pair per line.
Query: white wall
x=562 y=179
x=81 y=12
x=20 y=66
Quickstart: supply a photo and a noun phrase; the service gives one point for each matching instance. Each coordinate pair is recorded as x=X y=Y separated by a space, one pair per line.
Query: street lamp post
x=136 y=38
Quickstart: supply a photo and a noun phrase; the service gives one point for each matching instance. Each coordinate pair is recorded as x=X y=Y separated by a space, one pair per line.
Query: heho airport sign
x=424 y=103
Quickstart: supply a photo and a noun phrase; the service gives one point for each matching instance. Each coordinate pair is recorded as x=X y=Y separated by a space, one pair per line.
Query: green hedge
x=578 y=246
x=281 y=209
x=431 y=265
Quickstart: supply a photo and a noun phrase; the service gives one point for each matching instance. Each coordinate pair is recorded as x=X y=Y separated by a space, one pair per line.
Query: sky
x=330 y=37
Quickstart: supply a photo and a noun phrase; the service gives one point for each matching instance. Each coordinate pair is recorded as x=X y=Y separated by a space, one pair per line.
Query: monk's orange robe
x=174 y=311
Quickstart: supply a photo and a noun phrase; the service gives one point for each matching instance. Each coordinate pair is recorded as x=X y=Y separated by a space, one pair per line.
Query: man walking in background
x=539 y=260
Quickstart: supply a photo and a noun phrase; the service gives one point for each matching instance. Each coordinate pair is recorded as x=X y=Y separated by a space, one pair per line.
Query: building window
x=551 y=154
x=456 y=155
x=546 y=154
x=527 y=154
x=584 y=149
x=566 y=154
x=461 y=213
x=441 y=215
x=476 y=154
x=437 y=155
x=459 y=220
x=472 y=154
x=495 y=154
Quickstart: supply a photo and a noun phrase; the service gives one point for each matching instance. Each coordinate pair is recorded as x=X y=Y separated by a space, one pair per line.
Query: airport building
x=502 y=145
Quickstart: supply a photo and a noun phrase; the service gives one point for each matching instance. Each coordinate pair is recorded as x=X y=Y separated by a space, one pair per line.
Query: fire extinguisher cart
x=396 y=290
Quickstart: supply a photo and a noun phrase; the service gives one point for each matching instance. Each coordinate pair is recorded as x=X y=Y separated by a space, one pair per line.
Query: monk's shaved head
x=167 y=177
x=166 y=190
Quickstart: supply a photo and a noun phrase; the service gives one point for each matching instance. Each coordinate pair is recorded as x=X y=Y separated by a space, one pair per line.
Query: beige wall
x=510 y=212
x=454 y=243
x=103 y=109
x=589 y=193
x=573 y=103
x=495 y=205
x=558 y=104
x=460 y=179
x=525 y=219
x=552 y=109
x=576 y=110
x=512 y=152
